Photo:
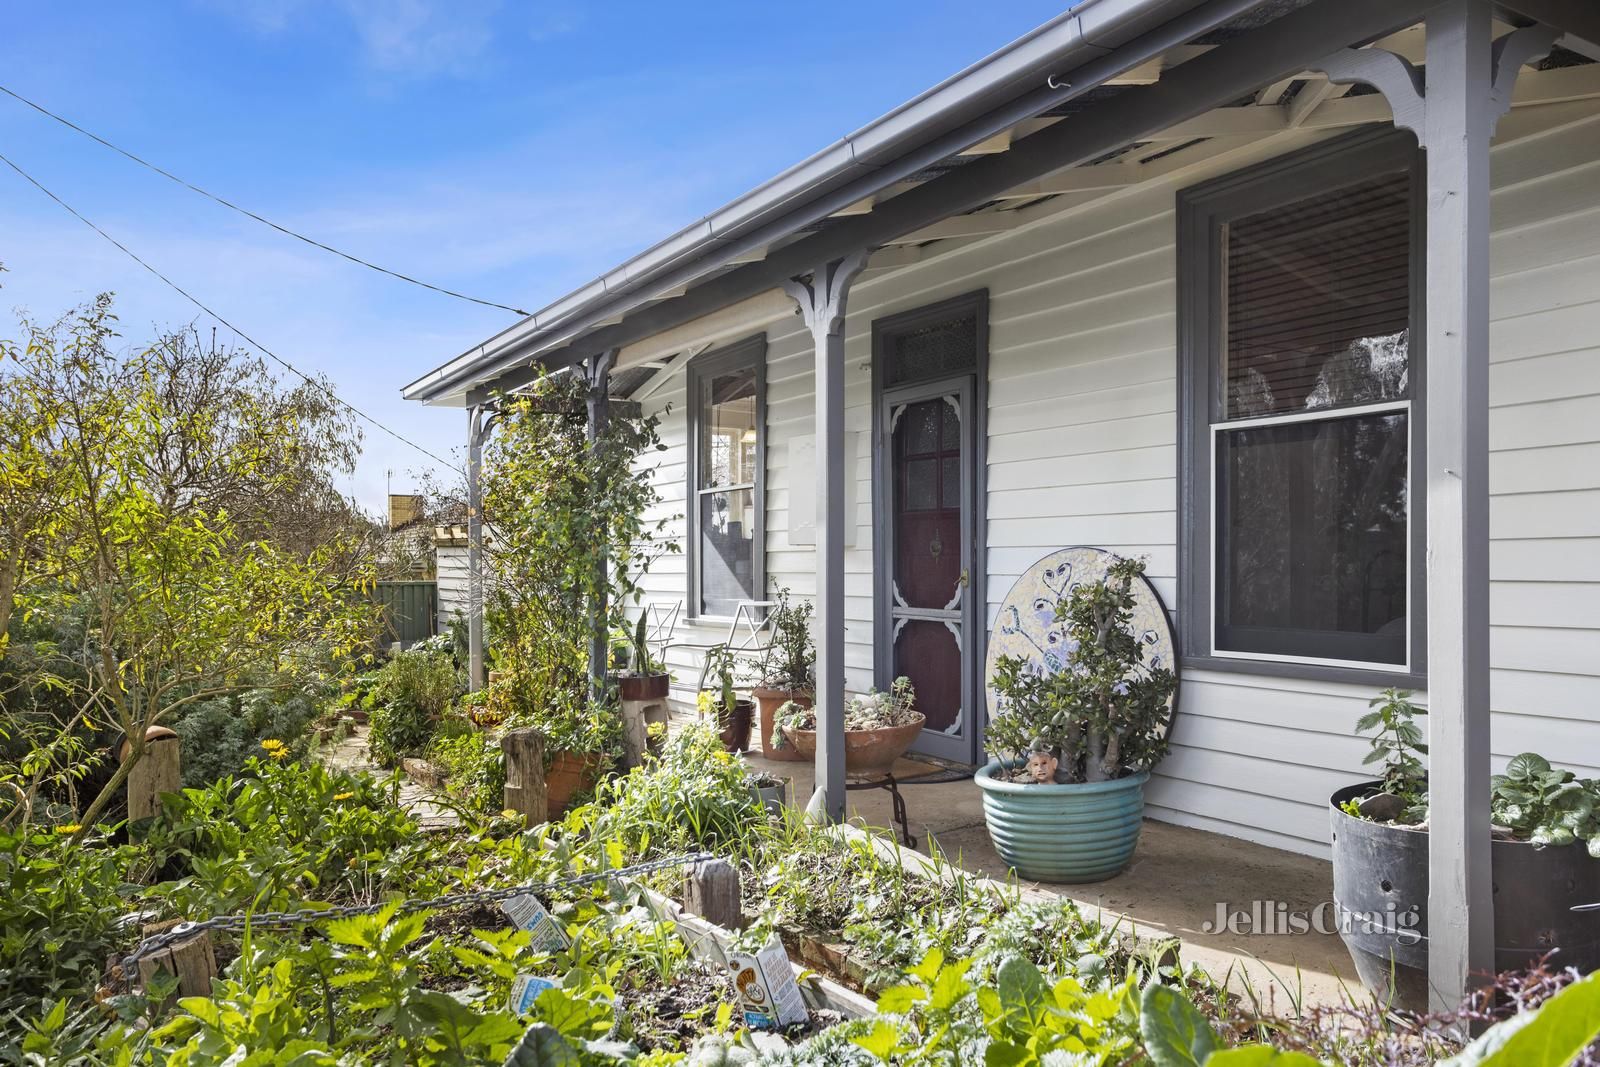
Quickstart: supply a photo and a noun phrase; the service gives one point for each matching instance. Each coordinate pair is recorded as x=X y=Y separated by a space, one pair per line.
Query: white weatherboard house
x=1300 y=299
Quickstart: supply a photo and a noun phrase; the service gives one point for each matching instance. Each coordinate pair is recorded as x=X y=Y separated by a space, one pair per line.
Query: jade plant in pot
x=1545 y=837
x=640 y=676
x=719 y=699
x=878 y=728
x=787 y=672
x=1064 y=799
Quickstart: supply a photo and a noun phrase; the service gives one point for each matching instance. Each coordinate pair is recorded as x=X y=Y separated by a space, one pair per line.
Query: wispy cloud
x=409 y=38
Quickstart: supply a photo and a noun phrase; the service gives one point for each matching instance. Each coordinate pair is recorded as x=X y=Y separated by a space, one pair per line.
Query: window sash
x=1291 y=633
x=749 y=353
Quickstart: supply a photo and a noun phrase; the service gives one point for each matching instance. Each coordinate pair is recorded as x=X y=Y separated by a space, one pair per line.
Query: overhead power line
x=251 y=214
x=313 y=382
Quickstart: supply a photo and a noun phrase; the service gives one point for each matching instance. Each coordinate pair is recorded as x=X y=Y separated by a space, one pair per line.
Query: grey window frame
x=1201 y=209
x=751 y=351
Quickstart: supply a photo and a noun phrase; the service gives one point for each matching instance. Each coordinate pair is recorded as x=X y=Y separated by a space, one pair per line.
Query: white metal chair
x=661 y=622
x=749 y=633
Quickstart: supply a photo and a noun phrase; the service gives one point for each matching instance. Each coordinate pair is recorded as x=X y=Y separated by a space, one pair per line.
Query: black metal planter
x=1380 y=895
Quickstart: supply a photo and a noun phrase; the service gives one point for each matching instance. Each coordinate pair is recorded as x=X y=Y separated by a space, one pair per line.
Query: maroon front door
x=929 y=538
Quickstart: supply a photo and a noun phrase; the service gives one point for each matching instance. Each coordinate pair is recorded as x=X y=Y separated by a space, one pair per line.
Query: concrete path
x=352 y=754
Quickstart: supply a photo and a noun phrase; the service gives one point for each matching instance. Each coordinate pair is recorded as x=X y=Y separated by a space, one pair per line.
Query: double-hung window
x=1300 y=373
x=727 y=428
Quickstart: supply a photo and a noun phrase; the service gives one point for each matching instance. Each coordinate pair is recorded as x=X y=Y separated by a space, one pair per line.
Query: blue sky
x=509 y=150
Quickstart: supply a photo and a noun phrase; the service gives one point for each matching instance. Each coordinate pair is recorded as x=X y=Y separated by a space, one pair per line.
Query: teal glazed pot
x=1076 y=832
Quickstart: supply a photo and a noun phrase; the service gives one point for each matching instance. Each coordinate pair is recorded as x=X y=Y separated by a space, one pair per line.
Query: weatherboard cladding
x=1082 y=450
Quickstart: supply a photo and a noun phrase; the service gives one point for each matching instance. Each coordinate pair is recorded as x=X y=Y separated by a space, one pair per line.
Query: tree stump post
x=525 y=785
x=711 y=891
x=636 y=718
x=158 y=771
x=192 y=961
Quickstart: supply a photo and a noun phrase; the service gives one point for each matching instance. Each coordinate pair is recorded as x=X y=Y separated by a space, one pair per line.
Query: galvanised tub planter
x=1075 y=832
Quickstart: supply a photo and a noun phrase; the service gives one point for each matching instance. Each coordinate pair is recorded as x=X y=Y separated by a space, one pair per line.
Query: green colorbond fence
x=410 y=610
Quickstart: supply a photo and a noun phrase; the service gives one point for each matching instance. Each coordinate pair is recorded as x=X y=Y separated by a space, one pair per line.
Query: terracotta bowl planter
x=866 y=752
x=768 y=701
x=735 y=732
x=569 y=774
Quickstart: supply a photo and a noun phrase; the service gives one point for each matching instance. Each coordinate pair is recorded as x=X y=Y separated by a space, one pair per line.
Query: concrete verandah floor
x=1173 y=887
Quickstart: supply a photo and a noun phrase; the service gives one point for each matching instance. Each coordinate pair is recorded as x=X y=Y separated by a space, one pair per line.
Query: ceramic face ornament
x=1042 y=766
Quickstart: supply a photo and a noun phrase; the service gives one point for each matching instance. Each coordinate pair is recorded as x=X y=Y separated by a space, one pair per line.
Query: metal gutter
x=958 y=112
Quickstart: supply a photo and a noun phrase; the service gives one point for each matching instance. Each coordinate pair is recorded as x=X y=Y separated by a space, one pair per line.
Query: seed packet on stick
x=526 y=989
x=526 y=913
x=768 y=994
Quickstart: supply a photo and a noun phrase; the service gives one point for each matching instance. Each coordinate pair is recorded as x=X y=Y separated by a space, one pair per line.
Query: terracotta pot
x=768 y=701
x=569 y=774
x=735 y=733
x=866 y=752
x=643 y=686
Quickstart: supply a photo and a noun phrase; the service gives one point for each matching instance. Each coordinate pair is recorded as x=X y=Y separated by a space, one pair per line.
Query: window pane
x=935 y=351
x=1312 y=548
x=1318 y=301
x=929 y=654
x=727 y=420
x=726 y=557
x=922 y=485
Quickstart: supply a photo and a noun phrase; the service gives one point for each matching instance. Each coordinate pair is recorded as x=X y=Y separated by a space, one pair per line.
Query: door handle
x=963 y=580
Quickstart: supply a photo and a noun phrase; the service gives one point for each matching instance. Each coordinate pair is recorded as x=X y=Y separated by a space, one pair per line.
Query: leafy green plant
x=721 y=666
x=412 y=693
x=474 y=767
x=1544 y=805
x=1397 y=744
x=637 y=659
x=693 y=796
x=1105 y=712
x=59 y=906
x=561 y=503
x=788 y=663
x=1022 y=1019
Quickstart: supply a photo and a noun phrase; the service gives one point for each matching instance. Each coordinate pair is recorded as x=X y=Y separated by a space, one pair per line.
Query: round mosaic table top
x=1026 y=623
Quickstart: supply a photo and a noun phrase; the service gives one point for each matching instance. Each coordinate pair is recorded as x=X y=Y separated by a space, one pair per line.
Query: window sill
x=1310 y=672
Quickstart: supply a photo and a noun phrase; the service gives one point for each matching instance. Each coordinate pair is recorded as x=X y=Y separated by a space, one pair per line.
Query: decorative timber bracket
x=821 y=297
x=1401 y=81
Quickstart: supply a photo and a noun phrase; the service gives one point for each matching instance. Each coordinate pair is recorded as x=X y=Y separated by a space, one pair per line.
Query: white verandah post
x=822 y=302
x=598 y=374
x=1469 y=77
x=1457 y=128
x=477 y=429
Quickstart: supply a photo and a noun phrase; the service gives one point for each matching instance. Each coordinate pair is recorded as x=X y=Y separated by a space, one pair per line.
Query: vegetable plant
x=1546 y=806
x=1397 y=744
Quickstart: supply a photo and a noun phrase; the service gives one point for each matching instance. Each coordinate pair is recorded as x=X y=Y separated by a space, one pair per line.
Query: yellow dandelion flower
x=68 y=828
x=272 y=744
x=343 y=796
x=279 y=753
